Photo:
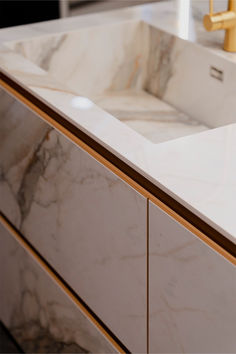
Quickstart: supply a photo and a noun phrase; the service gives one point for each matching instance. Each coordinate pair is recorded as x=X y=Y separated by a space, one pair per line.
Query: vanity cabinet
x=83 y=219
x=192 y=291
x=93 y=229
x=40 y=316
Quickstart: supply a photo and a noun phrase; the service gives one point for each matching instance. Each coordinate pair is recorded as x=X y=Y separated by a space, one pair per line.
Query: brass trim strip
x=194 y=230
x=181 y=214
x=22 y=242
x=75 y=139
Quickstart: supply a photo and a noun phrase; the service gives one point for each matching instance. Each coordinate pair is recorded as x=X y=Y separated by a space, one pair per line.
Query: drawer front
x=38 y=313
x=86 y=222
x=192 y=291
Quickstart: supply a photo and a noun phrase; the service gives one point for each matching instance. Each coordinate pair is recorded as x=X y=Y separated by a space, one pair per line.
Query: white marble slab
x=84 y=220
x=192 y=291
x=38 y=313
x=186 y=84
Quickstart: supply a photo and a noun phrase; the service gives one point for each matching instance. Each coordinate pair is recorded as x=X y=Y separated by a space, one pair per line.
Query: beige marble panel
x=130 y=59
x=87 y=223
x=192 y=292
x=115 y=59
x=38 y=313
x=180 y=167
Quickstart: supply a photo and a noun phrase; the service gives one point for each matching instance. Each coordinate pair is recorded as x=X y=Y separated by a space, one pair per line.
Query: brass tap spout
x=225 y=20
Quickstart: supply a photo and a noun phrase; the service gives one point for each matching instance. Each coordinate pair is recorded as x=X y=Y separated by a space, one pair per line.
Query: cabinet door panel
x=87 y=223
x=192 y=291
x=38 y=313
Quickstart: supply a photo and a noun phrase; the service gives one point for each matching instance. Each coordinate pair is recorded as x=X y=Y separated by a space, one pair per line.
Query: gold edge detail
x=41 y=263
x=120 y=173
x=194 y=230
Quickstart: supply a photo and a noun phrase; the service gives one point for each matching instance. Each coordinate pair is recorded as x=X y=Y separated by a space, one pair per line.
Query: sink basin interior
x=123 y=68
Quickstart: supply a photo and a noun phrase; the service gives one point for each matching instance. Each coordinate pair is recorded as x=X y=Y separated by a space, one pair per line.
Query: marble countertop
x=198 y=170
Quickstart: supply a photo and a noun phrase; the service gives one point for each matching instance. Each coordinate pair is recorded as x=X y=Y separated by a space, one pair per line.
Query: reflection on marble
x=49 y=188
x=38 y=313
x=20 y=137
x=87 y=223
x=148 y=115
x=180 y=167
x=192 y=292
x=141 y=59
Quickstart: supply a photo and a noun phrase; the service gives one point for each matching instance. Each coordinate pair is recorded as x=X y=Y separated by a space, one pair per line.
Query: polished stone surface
x=182 y=80
x=139 y=66
x=192 y=291
x=83 y=219
x=36 y=310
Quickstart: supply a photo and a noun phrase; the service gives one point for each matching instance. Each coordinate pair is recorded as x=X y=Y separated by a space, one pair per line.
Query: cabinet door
x=192 y=292
x=38 y=313
x=87 y=223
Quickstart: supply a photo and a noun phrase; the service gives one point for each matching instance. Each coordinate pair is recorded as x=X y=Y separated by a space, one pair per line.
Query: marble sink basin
x=126 y=71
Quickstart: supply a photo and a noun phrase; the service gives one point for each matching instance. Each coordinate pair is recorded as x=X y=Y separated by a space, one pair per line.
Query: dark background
x=17 y=12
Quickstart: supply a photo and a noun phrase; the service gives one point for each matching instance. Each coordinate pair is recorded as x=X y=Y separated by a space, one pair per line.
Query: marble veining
x=135 y=92
x=84 y=220
x=122 y=68
x=42 y=321
x=144 y=63
x=192 y=291
x=130 y=48
x=148 y=115
x=160 y=62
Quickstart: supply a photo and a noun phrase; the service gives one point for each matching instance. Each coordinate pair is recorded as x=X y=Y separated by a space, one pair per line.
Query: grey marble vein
x=39 y=315
x=160 y=62
x=61 y=199
x=32 y=173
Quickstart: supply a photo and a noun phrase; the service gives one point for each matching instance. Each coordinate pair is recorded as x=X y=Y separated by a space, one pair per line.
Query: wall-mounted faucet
x=223 y=20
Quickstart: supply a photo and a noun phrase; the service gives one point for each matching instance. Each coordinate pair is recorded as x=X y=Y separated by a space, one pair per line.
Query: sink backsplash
x=136 y=55
x=93 y=60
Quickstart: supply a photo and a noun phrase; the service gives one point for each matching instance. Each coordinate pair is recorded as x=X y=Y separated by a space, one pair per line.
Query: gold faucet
x=223 y=20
